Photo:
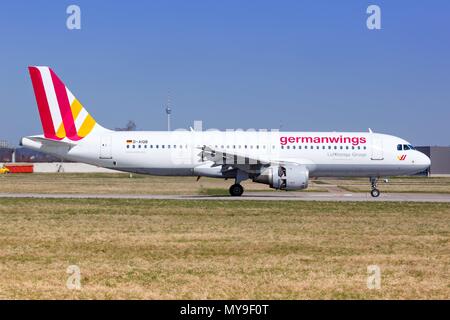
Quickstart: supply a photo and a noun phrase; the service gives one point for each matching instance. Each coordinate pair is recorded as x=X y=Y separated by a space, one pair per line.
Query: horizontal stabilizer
x=47 y=142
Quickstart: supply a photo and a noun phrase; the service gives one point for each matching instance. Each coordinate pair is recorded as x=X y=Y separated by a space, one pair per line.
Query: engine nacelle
x=284 y=177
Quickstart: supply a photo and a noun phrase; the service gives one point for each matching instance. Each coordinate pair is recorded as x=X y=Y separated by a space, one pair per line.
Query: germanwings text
x=337 y=139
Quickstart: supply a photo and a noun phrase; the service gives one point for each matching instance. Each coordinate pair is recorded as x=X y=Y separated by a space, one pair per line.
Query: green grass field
x=153 y=249
x=116 y=183
x=120 y=183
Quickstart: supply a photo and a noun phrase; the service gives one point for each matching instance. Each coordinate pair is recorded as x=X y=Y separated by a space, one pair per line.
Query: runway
x=255 y=196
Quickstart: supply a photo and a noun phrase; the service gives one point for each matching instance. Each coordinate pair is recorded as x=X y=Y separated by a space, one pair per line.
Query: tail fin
x=62 y=115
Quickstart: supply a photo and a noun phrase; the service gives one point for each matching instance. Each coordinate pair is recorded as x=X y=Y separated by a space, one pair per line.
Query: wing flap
x=221 y=157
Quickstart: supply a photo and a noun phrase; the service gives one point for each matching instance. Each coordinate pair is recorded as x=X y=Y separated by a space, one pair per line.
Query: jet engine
x=284 y=177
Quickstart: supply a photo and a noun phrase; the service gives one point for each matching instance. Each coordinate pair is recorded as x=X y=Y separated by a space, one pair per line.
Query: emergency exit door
x=105 y=147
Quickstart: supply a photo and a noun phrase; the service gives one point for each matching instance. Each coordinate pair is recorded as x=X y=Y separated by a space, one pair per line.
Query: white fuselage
x=282 y=160
x=333 y=154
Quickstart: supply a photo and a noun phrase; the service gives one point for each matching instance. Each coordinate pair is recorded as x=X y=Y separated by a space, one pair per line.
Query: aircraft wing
x=234 y=160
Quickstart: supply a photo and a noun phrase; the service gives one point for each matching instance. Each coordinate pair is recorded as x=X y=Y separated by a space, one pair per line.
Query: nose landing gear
x=374 y=192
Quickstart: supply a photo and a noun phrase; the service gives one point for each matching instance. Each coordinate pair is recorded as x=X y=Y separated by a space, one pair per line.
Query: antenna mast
x=168 y=111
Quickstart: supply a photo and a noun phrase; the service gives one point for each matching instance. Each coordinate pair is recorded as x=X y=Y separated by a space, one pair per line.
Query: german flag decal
x=402 y=157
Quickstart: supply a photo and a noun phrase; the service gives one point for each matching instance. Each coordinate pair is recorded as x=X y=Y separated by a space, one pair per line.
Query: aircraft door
x=105 y=147
x=377 y=148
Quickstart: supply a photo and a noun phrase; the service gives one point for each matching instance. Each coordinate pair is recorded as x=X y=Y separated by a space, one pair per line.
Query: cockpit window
x=399 y=147
x=407 y=147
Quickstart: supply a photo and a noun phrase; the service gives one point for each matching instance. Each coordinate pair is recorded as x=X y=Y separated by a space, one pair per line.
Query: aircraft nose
x=423 y=160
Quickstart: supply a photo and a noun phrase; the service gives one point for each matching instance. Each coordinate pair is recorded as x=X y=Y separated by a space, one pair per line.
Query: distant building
x=5 y=154
x=4 y=144
x=440 y=159
x=26 y=155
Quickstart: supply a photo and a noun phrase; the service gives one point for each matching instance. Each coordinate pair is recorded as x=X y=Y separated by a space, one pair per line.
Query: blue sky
x=304 y=65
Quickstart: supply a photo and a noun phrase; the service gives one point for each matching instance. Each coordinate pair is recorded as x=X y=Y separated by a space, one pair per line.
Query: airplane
x=281 y=160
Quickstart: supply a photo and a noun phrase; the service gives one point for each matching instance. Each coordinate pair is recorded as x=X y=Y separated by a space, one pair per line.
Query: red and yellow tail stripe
x=62 y=115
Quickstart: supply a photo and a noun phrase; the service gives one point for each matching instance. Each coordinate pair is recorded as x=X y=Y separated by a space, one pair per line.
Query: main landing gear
x=236 y=190
x=374 y=192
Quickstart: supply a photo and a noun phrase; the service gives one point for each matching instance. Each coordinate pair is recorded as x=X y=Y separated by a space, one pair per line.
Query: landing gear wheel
x=375 y=192
x=236 y=190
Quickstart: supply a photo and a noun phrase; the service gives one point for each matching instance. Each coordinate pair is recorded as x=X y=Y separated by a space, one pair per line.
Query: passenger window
x=128 y=146
x=399 y=147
